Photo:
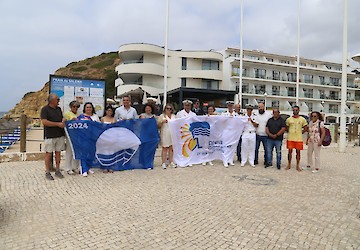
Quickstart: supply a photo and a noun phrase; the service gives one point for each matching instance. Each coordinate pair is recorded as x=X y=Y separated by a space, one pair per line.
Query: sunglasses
x=168 y=108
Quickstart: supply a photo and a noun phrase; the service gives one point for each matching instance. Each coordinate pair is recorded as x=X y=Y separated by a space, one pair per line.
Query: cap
x=230 y=102
x=187 y=102
x=249 y=106
x=151 y=99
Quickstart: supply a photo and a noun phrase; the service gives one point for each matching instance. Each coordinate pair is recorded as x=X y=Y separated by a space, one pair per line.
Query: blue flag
x=127 y=144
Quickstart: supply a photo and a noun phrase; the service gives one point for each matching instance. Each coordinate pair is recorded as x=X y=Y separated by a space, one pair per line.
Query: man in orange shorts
x=296 y=126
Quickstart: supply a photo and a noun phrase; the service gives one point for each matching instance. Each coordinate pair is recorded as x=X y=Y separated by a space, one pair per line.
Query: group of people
x=261 y=128
x=268 y=130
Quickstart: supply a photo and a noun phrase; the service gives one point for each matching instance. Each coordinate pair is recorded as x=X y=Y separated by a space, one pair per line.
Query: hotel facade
x=213 y=78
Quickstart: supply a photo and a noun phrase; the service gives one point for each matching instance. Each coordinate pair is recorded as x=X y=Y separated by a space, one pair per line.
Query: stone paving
x=202 y=207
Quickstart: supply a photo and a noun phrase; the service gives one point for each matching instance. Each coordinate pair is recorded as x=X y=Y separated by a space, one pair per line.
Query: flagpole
x=166 y=54
x=241 y=51
x=342 y=141
x=298 y=56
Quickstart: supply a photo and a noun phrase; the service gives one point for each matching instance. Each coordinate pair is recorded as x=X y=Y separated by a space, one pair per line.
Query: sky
x=40 y=36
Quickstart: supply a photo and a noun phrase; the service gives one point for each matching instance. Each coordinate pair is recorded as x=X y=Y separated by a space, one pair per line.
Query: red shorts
x=298 y=145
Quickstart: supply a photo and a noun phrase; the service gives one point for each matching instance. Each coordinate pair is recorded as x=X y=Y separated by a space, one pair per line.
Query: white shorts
x=54 y=144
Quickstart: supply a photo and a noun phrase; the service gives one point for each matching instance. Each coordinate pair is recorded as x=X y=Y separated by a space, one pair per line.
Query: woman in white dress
x=165 y=136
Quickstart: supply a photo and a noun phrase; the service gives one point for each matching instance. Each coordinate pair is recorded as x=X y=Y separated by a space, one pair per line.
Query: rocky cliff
x=97 y=67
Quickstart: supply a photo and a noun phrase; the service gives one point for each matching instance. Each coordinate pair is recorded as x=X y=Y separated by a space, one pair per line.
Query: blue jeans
x=263 y=139
x=271 y=143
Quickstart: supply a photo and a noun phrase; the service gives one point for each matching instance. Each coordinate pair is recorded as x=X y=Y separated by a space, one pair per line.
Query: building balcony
x=140 y=68
x=203 y=74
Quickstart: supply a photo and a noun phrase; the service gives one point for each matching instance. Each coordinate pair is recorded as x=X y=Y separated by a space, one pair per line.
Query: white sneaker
x=242 y=165
x=204 y=163
x=226 y=165
x=232 y=164
x=173 y=165
x=163 y=166
x=210 y=163
x=85 y=174
x=190 y=165
x=91 y=172
x=252 y=166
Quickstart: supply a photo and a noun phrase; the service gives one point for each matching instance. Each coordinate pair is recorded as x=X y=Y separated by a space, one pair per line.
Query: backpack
x=327 y=140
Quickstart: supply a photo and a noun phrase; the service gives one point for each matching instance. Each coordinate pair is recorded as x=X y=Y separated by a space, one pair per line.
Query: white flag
x=205 y=138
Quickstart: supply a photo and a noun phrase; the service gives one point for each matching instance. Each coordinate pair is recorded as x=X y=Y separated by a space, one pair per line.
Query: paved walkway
x=201 y=207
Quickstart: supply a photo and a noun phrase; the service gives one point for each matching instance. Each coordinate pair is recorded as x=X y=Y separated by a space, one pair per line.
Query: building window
x=260 y=89
x=210 y=84
x=285 y=61
x=334 y=95
x=235 y=72
x=244 y=102
x=335 y=81
x=322 y=80
x=313 y=65
x=210 y=65
x=291 y=91
x=291 y=77
x=308 y=93
x=183 y=82
x=275 y=104
x=310 y=106
x=270 y=59
x=260 y=73
x=254 y=58
x=333 y=108
x=322 y=94
x=303 y=64
x=308 y=78
x=276 y=75
x=183 y=63
x=276 y=90
x=245 y=88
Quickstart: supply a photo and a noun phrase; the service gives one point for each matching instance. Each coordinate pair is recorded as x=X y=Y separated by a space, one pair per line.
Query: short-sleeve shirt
x=227 y=113
x=249 y=127
x=275 y=126
x=295 y=128
x=69 y=115
x=183 y=113
x=53 y=115
x=315 y=131
x=262 y=121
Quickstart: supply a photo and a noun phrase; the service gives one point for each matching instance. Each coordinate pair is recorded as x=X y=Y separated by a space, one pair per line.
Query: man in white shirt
x=186 y=112
x=230 y=111
x=249 y=138
x=125 y=112
x=261 y=137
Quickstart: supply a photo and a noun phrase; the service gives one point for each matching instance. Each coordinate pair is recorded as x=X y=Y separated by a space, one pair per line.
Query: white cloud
x=40 y=36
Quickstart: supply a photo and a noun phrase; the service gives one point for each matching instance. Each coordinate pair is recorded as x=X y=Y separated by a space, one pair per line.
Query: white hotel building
x=213 y=77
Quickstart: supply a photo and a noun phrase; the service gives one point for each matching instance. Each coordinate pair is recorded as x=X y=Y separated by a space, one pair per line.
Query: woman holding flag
x=165 y=136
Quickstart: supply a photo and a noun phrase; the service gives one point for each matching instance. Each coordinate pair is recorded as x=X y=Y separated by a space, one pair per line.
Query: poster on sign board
x=82 y=90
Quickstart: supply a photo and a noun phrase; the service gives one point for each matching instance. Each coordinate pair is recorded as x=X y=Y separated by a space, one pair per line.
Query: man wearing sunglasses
x=296 y=126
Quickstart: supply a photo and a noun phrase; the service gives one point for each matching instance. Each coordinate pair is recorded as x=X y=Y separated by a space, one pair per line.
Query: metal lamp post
x=241 y=51
x=265 y=97
x=342 y=141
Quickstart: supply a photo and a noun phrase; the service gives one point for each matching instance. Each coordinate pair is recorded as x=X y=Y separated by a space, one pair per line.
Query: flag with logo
x=127 y=144
x=205 y=138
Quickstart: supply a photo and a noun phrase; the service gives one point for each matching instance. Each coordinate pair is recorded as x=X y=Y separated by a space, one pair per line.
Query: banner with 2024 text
x=205 y=138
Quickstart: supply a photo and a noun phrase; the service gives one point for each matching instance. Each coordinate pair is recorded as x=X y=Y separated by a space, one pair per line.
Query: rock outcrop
x=97 y=67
